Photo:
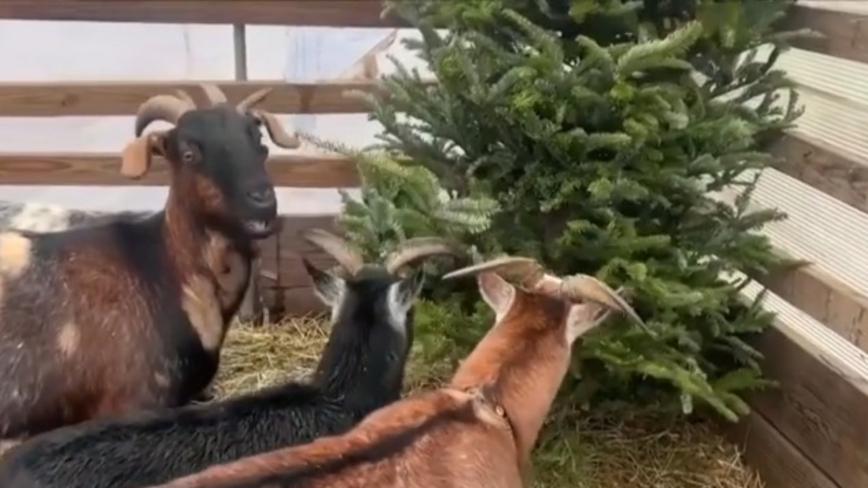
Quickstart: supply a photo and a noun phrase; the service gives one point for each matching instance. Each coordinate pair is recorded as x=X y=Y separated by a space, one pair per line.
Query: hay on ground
x=606 y=449
x=253 y=357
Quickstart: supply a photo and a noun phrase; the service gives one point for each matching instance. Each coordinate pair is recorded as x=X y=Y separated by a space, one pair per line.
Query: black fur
x=361 y=369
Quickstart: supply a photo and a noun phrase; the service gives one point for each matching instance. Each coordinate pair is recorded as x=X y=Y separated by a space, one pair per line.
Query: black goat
x=130 y=314
x=361 y=370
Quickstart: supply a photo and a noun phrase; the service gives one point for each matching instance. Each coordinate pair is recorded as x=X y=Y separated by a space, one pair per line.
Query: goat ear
x=136 y=156
x=326 y=286
x=496 y=292
x=584 y=317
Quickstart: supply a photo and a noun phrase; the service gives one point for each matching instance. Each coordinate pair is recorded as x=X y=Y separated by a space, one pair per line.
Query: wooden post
x=251 y=305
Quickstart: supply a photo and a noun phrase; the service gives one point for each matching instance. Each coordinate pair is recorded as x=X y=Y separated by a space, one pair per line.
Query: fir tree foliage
x=400 y=201
x=601 y=127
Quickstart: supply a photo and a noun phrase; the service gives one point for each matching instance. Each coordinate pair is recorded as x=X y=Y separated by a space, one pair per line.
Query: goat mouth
x=260 y=228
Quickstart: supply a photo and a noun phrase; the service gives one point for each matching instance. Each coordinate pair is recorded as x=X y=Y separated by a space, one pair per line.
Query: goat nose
x=262 y=196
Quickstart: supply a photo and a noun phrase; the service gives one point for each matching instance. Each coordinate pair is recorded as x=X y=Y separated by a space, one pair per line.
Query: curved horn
x=213 y=93
x=160 y=107
x=186 y=97
x=276 y=131
x=584 y=287
x=416 y=248
x=344 y=253
x=526 y=271
x=253 y=99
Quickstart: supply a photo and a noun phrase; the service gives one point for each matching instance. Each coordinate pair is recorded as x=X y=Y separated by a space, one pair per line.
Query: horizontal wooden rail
x=334 y=13
x=48 y=99
x=779 y=463
x=826 y=168
x=818 y=411
x=104 y=169
x=826 y=299
x=846 y=34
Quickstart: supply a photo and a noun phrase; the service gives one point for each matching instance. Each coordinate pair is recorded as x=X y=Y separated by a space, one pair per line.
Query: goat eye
x=187 y=156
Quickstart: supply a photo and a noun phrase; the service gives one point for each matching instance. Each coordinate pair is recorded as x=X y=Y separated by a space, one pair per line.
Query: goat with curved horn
x=168 y=108
x=183 y=95
x=575 y=288
x=253 y=99
x=584 y=287
x=213 y=93
x=416 y=248
x=275 y=129
x=344 y=253
x=526 y=271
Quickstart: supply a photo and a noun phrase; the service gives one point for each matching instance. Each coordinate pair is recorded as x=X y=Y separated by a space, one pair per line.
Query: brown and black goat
x=131 y=314
x=478 y=431
x=361 y=369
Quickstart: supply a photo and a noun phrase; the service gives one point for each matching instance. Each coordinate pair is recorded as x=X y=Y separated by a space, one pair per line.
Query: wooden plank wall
x=286 y=287
x=812 y=432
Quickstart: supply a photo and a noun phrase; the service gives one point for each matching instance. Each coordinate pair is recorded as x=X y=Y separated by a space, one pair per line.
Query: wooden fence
x=811 y=433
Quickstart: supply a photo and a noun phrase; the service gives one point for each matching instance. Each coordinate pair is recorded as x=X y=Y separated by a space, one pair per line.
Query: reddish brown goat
x=478 y=431
x=130 y=314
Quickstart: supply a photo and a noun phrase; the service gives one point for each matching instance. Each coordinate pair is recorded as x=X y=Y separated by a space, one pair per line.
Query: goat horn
x=416 y=248
x=168 y=108
x=213 y=93
x=276 y=131
x=584 y=287
x=186 y=97
x=344 y=253
x=253 y=99
x=525 y=270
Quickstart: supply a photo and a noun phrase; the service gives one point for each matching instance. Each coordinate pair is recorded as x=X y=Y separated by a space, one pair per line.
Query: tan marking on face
x=210 y=197
x=68 y=339
x=199 y=302
x=14 y=254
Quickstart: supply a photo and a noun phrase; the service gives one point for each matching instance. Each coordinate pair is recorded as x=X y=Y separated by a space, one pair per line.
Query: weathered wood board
x=299 y=171
x=820 y=407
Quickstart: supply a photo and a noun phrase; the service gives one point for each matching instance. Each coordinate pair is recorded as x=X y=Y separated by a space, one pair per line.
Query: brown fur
x=109 y=351
x=526 y=355
x=506 y=385
x=213 y=276
x=444 y=426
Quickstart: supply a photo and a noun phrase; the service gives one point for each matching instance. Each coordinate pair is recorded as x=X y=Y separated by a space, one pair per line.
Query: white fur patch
x=398 y=304
x=333 y=297
x=497 y=293
x=41 y=218
x=582 y=318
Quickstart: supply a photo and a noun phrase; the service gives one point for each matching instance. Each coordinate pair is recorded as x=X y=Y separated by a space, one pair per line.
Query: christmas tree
x=400 y=201
x=600 y=127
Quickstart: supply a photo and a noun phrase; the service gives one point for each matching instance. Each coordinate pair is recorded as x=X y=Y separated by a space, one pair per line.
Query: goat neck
x=197 y=239
x=526 y=358
x=526 y=354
